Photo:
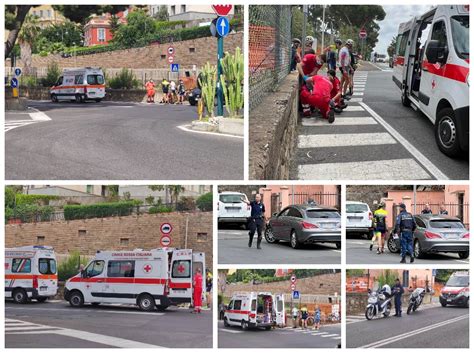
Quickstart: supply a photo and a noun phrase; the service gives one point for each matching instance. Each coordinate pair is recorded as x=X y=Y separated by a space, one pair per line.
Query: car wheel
x=392 y=245
x=269 y=236
x=54 y=98
x=98 y=100
x=338 y=245
x=41 y=299
x=245 y=325
x=446 y=133
x=146 y=302
x=463 y=254
x=76 y=299
x=467 y=303
x=226 y=323
x=295 y=244
x=79 y=98
x=20 y=296
x=443 y=303
x=161 y=307
x=417 y=250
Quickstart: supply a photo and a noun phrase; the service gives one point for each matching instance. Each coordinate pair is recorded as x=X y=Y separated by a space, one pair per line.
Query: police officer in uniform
x=404 y=227
x=257 y=216
x=397 y=291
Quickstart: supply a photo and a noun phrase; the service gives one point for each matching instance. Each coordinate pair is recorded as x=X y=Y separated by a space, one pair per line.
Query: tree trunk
x=22 y=11
x=26 y=58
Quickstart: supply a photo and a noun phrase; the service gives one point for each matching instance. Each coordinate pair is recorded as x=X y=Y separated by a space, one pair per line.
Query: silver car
x=436 y=234
x=305 y=224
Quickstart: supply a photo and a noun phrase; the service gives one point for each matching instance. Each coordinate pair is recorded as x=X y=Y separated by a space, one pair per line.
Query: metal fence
x=269 y=49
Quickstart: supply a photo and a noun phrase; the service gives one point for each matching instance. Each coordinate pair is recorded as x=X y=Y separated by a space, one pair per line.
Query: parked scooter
x=379 y=303
x=416 y=298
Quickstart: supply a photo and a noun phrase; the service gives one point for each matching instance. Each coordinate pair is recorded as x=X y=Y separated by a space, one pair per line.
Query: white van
x=79 y=85
x=231 y=208
x=255 y=309
x=358 y=218
x=431 y=69
x=159 y=277
x=30 y=273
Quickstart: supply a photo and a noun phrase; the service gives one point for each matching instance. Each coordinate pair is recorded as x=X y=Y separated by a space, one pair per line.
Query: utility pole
x=303 y=41
x=323 y=28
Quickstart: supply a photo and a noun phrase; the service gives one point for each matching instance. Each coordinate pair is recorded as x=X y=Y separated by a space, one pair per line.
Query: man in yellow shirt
x=380 y=226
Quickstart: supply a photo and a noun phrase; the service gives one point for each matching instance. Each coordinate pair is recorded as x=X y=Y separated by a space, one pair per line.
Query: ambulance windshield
x=460 y=26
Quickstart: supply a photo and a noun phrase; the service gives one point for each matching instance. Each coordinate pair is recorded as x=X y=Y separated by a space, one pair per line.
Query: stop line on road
x=358 y=145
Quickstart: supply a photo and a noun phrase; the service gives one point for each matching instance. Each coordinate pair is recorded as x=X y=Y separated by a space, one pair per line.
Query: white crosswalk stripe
x=13 y=124
x=317 y=134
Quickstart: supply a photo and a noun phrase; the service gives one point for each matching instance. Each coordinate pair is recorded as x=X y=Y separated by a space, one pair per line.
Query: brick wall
x=187 y=53
x=116 y=233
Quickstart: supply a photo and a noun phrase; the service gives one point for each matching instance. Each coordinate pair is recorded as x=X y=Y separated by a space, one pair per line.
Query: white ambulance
x=30 y=273
x=255 y=309
x=431 y=68
x=79 y=85
x=156 y=278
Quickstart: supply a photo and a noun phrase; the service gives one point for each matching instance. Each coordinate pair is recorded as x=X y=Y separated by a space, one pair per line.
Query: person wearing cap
x=405 y=226
x=257 y=219
x=380 y=227
x=397 y=292
x=295 y=53
x=308 y=45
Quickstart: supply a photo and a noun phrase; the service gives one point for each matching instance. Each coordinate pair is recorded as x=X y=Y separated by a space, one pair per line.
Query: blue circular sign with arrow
x=222 y=26
x=14 y=82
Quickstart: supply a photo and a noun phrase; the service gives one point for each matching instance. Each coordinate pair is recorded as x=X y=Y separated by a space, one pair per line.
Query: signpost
x=174 y=67
x=166 y=228
x=165 y=241
x=295 y=295
x=363 y=38
x=362 y=33
x=17 y=72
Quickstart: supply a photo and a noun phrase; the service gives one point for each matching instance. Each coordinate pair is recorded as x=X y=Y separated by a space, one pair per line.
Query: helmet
x=386 y=289
x=381 y=204
x=296 y=40
x=338 y=41
x=350 y=42
x=309 y=40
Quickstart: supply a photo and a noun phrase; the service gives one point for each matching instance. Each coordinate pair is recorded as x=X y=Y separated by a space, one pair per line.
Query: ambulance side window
x=94 y=269
x=121 y=269
x=439 y=33
x=402 y=41
x=254 y=305
x=79 y=80
x=181 y=269
x=231 y=305
x=60 y=81
x=237 y=304
x=21 y=265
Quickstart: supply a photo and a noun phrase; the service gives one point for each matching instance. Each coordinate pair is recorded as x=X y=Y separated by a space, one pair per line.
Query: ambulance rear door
x=48 y=274
x=280 y=313
x=181 y=276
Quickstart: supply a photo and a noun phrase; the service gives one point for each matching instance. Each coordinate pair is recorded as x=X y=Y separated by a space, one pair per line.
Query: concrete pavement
x=116 y=141
x=233 y=249
x=57 y=325
x=328 y=336
x=434 y=327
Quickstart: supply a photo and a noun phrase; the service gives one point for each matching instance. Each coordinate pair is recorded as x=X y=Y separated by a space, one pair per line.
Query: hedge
x=204 y=202
x=160 y=209
x=99 y=210
x=29 y=213
x=22 y=199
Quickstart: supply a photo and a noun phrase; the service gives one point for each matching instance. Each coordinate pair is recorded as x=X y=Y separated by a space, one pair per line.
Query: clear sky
x=396 y=14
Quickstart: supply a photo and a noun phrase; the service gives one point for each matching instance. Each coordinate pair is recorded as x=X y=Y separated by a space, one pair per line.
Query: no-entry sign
x=165 y=241
x=362 y=33
x=222 y=10
x=293 y=286
x=166 y=228
x=171 y=59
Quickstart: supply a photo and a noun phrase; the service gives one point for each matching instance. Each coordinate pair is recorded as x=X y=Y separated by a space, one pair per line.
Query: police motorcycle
x=379 y=303
x=416 y=298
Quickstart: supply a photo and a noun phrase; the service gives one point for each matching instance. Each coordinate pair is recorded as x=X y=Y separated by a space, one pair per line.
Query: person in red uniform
x=317 y=94
x=150 y=91
x=197 y=294
x=310 y=64
x=336 y=92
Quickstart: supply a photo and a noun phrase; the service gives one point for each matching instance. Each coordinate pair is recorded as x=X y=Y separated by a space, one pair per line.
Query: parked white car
x=358 y=218
x=231 y=208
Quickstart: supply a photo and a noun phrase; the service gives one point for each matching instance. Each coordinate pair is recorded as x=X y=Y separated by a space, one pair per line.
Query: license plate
x=91 y=92
x=451 y=236
x=355 y=219
x=232 y=209
x=327 y=225
x=44 y=288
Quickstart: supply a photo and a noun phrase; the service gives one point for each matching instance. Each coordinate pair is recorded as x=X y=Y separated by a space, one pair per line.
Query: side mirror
x=274 y=214
x=435 y=53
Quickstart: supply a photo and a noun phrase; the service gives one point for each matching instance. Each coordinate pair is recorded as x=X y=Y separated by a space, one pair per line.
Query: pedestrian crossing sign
x=174 y=67
x=296 y=294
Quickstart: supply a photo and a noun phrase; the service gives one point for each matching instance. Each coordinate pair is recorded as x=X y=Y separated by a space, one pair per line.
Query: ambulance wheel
x=161 y=307
x=226 y=324
x=79 y=98
x=41 y=299
x=76 y=299
x=463 y=254
x=295 y=244
x=20 y=296
x=54 y=98
x=245 y=325
x=98 y=100
x=146 y=302
x=268 y=328
x=338 y=245
x=446 y=132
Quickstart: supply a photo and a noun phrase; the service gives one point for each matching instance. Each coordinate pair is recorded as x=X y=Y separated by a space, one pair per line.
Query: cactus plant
x=232 y=79
x=208 y=80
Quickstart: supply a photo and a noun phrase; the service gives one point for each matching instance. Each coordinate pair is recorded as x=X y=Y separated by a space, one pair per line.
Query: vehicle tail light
x=466 y=236
x=430 y=235
x=35 y=281
x=252 y=315
x=248 y=207
x=165 y=289
x=307 y=225
x=370 y=215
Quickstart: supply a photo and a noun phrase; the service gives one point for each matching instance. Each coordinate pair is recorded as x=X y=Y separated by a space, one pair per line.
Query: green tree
x=62 y=35
x=356 y=273
x=391 y=47
x=204 y=202
x=175 y=190
x=140 y=27
x=114 y=24
x=387 y=277
x=9 y=197
x=162 y=14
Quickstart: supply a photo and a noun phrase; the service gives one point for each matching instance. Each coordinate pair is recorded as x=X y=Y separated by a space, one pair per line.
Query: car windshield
x=448 y=224
x=95 y=79
x=460 y=26
x=231 y=198
x=458 y=281
x=356 y=208
x=322 y=214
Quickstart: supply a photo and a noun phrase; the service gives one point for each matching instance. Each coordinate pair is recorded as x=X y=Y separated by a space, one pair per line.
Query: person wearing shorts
x=294 y=313
x=304 y=318
x=380 y=216
x=165 y=89
x=181 y=92
x=317 y=318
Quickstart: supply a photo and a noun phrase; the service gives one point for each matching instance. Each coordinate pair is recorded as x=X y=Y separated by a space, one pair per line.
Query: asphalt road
x=233 y=249
x=115 y=141
x=57 y=325
x=233 y=337
x=375 y=138
x=357 y=252
x=434 y=327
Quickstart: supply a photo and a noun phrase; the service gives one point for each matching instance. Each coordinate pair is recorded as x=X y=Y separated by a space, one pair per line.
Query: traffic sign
x=222 y=10
x=293 y=286
x=166 y=228
x=170 y=50
x=170 y=59
x=165 y=241
x=17 y=71
x=14 y=82
x=362 y=33
x=296 y=295
x=293 y=279
x=174 y=67
x=222 y=26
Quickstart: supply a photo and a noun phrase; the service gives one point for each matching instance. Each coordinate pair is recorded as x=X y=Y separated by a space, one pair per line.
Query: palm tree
x=26 y=37
x=175 y=190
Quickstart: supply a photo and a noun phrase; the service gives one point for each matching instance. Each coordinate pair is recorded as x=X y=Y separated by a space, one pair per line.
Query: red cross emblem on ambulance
x=181 y=268
x=433 y=84
x=147 y=268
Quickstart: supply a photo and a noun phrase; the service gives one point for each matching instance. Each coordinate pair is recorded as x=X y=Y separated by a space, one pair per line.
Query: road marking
x=438 y=174
x=331 y=335
x=358 y=89
x=392 y=169
x=354 y=108
x=366 y=120
x=413 y=333
x=354 y=100
x=10 y=125
x=38 y=115
x=342 y=140
x=186 y=128
x=82 y=335
x=230 y=331
x=90 y=311
x=358 y=93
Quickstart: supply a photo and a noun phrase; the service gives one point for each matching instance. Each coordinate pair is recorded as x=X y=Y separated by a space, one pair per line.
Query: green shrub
x=9 y=197
x=186 y=203
x=52 y=75
x=29 y=213
x=204 y=202
x=99 y=210
x=22 y=199
x=125 y=79
x=8 y=214
x=160 y=209
x=69 y=267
